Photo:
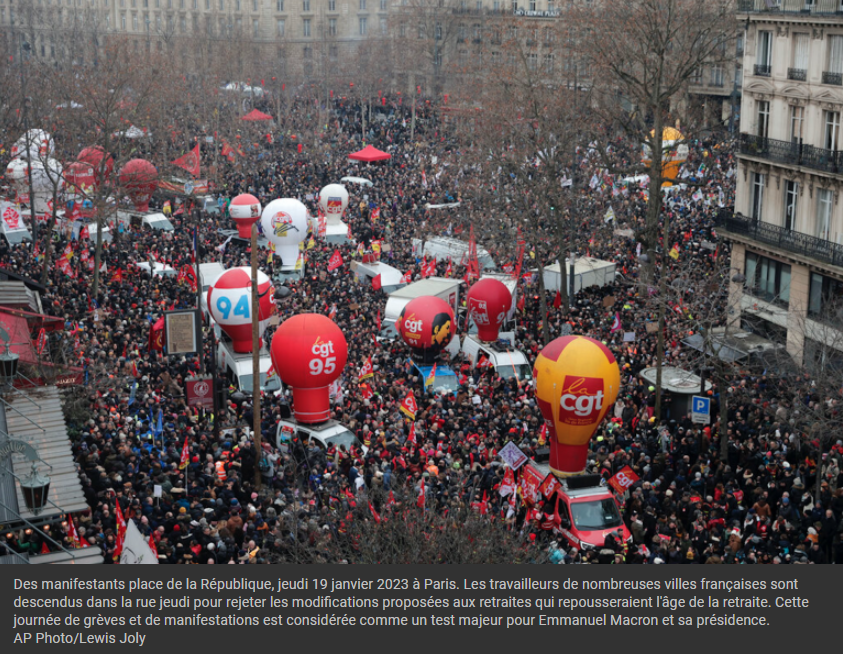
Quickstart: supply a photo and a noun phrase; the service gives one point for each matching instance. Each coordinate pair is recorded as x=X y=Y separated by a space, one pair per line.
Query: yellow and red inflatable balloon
x=577 y=382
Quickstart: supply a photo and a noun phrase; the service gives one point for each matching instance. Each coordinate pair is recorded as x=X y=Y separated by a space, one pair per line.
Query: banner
x=11 y=217
x=200 y=392
x=198 y=187
x=335 y=261
x=409 y=407
x=366 y=371
x=623 y=479
x=189 y=161
x=531 y=479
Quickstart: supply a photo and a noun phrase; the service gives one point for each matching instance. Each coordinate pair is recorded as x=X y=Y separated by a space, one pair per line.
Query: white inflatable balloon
x=284 y=223
x=333 y=199
x=35 y=144
x=44 y=175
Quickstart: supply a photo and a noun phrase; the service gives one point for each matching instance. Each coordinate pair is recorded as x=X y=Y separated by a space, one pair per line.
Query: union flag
x=189 y=161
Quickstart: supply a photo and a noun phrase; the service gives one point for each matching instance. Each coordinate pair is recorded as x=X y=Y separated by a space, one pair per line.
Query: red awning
x=254 y=114
x=370 y=153
x=36 y=320
x=19 y=340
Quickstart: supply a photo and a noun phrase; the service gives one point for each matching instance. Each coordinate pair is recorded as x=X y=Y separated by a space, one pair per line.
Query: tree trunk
x=662 y=312
x=48 y=248
x=654 y=204
x=543 y=302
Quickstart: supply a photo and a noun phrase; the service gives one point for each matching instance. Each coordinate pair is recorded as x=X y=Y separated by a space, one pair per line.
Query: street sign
x=701 y=410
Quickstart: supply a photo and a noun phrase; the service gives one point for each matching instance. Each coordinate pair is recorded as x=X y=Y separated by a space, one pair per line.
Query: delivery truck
x=588 y=272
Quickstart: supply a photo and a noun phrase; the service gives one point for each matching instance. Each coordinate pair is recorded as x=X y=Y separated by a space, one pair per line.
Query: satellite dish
x=4 y=335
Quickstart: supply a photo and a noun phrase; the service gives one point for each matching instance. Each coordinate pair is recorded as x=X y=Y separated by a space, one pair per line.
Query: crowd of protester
x=776 y=497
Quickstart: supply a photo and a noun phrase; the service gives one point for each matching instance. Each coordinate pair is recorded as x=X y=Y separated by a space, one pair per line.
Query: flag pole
x=256 y=370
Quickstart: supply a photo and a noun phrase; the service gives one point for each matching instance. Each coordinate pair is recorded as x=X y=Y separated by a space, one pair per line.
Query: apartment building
x=787 y=227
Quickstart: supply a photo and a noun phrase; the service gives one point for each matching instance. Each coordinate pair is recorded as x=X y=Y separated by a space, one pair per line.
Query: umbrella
x=254 y=114
x=370 y=153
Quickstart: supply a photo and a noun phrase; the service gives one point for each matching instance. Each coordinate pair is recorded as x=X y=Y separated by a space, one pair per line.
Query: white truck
x=506 y=361
x=238 y=369
x=390 y=277
x=144 y=221
x=325 y=434
x=441 y=287
x=588 y=271
x=444 y=248
x=208 y=274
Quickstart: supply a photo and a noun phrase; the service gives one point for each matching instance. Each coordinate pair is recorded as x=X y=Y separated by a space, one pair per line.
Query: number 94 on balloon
x=241 y=307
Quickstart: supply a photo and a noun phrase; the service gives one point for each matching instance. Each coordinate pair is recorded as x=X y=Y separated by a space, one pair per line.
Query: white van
x=208 y=274
x=325 y=434
x=157 y=269
x=445 y=248
x=390 y=277
x=507 y=362
x=238 y=369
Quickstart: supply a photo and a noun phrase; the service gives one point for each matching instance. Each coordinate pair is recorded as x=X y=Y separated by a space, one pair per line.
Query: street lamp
x=34 y=487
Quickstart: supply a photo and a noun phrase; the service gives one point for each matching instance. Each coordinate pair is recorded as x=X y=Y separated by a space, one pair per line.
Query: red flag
x=153 y=546
x=44 y=548
x=227 y=151
x=521 y=302
x=72 y=534
x=366 y=392
x=407 y=278
x=332 y=314
x=376 y=214
x=335 y=262
x=420 y=500
x=390 y=502
x=411 y=438
x=121 y=529
x=408 y=406
x=429 y=268
x=449 y=270
x=185 y=455
x=557 y=301
x=42 y=341
x=376 y=282
x=156 y=335
x=189 y=161
x=508 y=483
x=366 y=371
x=378 y=323
x=374 y=513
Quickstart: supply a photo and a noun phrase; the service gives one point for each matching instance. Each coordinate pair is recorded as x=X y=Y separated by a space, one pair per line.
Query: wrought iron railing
x=833 y=78
x=794 y=154
x=790 y=6
x=785 y=239
x=762 y=70
x=798 y=74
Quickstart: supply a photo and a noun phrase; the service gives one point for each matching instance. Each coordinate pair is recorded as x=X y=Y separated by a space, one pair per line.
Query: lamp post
x=34 y=487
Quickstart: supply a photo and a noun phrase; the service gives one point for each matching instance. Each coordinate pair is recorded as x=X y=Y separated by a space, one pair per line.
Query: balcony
x=804 y=245
x=762 y=70
x=810 y=7
x=798 y=74
x=833 y=78
x=792 y=154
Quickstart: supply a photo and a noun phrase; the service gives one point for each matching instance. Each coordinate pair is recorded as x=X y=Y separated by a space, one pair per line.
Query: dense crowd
x=771 y=500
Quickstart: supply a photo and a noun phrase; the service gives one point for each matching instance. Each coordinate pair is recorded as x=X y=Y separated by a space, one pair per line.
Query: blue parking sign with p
x=701 y=409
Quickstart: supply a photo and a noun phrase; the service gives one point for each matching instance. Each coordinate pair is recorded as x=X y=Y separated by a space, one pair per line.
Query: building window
x=824 y=204
x=363 y=25
x=256 y=28
x=835 y=58
x=831 y=135
x=764 y=54
x=801 y=55
x=767 y=279
x=757 y=196
x=332 y=5
x=254 y=5
x=532 y=5
x=362 y=5
x=305 y=5
x=791 y=199
x=236 y=5
x=797 y=117
x=280 y=27
x=717 y=76
x=333 y=53
x=496 y=57
x=279 y=6
x=825 y=298
x=762 y=118
x=383 y=5
x=533 y=61
x=332 y=27
x=305 y=27
x=135 y=23
x=549 y=63
x=402 y=30
x=383 y=25
x=462 y=33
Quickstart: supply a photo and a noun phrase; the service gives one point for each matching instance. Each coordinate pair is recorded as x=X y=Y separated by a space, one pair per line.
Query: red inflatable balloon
x=93 y=155
x=489 y=300
x=80 y=180
x=140 y=179
x=230 y=305
x=245 y=210
x=309 y=352
x=426 y=324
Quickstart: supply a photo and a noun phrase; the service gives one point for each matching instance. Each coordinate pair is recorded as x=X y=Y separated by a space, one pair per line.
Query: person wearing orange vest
x=220 y=467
